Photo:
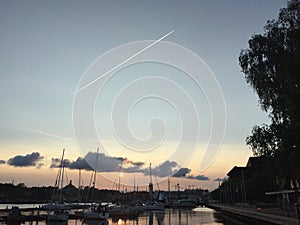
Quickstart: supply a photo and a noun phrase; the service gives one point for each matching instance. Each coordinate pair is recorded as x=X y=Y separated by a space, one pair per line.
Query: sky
x=146 y=111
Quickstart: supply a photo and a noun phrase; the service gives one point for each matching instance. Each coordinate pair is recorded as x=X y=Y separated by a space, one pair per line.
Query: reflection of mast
x=150 y=186
x=150 y=217
x=169 y=189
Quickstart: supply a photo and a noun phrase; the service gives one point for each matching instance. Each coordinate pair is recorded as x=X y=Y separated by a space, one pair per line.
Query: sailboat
x=57 y=209
x=95 y=212
x=152 y=205
x=122 y=210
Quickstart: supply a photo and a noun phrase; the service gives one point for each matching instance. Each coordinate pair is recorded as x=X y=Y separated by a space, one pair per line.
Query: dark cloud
x=104 y=163
x=133 y=169
x=182 y=172
x=2 y=161
x=56 y=162
x=25 y=161
x=114 y=164
x=81 y=164
x=166 y=169
x=199 y=177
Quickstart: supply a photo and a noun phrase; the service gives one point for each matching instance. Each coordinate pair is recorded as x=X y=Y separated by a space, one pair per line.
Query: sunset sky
x=46 y=48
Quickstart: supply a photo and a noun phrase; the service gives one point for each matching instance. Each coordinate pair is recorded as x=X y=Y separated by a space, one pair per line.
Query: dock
x=254 y=214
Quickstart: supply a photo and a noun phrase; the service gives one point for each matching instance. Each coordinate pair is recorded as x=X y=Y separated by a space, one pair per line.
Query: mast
x=95 y=174
x=79 y=185
x=61 y=176
x=169 y=182
x=150 y=187
x=150 y=174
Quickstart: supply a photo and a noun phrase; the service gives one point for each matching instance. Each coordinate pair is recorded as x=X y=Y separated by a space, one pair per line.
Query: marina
x=199 y=215
x=121 y=215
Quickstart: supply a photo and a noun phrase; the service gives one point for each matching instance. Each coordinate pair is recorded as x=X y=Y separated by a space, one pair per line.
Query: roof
x=236 y=171
x=256 y=162
x=70 y=187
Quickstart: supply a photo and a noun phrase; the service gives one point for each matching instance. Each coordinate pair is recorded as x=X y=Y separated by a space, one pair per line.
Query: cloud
x=104 y=163
x=166 y=169
x=2 y=161
x=56 y=162
x=81 y=164
x=199 y=177
x=115 y=164
x=182 y=172
x=25 y=161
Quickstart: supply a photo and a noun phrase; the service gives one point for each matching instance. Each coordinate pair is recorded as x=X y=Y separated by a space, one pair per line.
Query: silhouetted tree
x=271 y=66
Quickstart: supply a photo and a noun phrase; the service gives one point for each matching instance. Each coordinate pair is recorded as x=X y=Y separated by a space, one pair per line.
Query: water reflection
x=94 y=222
x=171 y=217
x=197 y=216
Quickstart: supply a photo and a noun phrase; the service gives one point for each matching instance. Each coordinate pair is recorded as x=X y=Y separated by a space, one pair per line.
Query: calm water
x=196 y=216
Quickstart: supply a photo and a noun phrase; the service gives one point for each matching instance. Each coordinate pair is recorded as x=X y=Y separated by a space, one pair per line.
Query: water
x=21 y=206
x=196 y=216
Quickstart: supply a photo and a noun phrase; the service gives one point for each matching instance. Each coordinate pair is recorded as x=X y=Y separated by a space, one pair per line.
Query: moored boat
x=58 y=210
x=15 y=216
x=96 y=213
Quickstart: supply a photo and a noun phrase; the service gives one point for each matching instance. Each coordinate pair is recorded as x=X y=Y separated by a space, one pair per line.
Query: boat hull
x=95 y=215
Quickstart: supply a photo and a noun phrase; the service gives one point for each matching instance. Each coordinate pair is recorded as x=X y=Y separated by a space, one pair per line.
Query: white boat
x=184 y=203
x=152 y=206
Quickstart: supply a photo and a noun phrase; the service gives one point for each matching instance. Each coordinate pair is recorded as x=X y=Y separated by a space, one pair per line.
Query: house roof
x=70 y=187
x=236 y=171
x=256 y=162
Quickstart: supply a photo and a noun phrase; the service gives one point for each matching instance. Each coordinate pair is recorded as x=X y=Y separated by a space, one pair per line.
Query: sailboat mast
x=95 y=174
x=62 y=167
x=150 y=187
x=150 y=174
x=79 y=185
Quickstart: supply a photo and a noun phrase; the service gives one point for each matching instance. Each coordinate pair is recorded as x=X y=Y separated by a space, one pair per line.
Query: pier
x=254 y=214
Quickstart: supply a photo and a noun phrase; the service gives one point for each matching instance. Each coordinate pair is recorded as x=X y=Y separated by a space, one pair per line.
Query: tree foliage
x=271 y=66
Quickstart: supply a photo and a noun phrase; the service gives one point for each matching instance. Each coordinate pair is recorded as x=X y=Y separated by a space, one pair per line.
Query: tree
x=271 y=66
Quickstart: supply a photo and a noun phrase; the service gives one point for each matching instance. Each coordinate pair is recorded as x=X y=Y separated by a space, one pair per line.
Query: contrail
x=125 y=61
x=46 y=134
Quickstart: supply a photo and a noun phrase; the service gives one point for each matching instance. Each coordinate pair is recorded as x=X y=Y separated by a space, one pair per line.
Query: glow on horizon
x=45 y=176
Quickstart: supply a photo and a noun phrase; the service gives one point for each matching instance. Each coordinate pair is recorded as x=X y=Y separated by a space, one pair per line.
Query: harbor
x=150 y=112
x=212 y=213
x=195 y=216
